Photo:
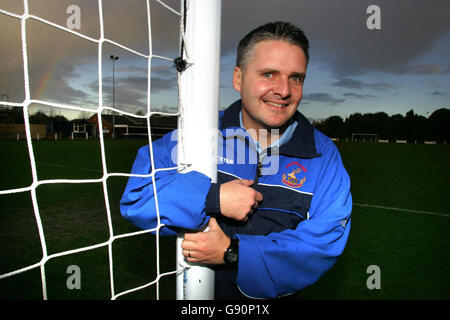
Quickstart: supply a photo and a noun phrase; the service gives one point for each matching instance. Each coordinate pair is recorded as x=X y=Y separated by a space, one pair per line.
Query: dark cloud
x=358 y=96
x=66 y=94
x=57 y=53
x=357 y=84
x=428 y=69
x=414 y=40
x=131 y=91
x=139 y=83
x=161 y=84
x=60 y=84
x=338 y=34
x=134 y=69
x=322 y=97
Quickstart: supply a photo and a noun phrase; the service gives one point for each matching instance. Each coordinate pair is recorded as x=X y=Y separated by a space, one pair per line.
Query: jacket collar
x=301 y=144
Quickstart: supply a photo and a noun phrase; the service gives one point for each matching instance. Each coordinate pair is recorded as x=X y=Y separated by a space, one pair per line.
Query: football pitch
x=399 y=245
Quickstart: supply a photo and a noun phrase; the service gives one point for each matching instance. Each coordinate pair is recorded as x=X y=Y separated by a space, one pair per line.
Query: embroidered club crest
x=294 y=177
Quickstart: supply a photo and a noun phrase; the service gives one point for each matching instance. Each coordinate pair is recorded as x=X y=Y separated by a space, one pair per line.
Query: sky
x=402 y=65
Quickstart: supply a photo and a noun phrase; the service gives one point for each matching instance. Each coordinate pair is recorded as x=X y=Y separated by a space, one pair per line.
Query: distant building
x=124 y=126
x=59 y=127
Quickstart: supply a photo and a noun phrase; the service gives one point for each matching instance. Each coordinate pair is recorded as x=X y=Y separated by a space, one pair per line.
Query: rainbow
x=43 y=82
x=59 y=53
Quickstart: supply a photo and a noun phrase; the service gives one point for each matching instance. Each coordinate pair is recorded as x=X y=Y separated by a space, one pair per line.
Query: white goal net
x=62 y=224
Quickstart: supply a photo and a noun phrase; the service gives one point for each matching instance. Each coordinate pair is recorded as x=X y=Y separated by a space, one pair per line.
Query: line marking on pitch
x=402 y=210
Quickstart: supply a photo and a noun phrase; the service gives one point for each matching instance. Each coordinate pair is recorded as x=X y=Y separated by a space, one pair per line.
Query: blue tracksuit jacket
x=299 y=229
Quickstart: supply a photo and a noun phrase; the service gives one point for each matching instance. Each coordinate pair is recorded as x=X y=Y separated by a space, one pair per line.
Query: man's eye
x=297 y=79
x=267 y=75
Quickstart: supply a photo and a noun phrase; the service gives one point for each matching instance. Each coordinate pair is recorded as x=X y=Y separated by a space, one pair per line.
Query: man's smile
x=276 y=105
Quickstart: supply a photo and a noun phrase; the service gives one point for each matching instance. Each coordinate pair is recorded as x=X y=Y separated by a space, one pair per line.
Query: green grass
x=411 y=249
x=74 y=216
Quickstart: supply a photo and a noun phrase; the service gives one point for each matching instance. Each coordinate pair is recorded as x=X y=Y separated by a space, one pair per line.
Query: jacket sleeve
x=177 y=199
x=285 y=262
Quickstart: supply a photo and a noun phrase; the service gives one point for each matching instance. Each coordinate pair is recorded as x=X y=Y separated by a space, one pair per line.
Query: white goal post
x=372 y=137
x=198 y=121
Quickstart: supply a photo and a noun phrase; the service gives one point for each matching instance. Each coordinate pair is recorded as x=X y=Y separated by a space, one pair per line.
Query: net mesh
x=113 y=235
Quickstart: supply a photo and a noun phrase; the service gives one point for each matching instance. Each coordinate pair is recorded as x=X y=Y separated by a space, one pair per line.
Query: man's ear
x=237 y=78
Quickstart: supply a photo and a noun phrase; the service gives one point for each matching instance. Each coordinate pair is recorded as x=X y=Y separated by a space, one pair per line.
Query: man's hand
x=206 y=247
x=238 y=199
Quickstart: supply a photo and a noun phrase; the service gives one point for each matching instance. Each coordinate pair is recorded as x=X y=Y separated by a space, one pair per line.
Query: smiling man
x=273 y=230
x=270 y=81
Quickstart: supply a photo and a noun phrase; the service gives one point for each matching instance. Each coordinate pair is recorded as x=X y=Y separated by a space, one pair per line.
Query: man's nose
x=282 y=88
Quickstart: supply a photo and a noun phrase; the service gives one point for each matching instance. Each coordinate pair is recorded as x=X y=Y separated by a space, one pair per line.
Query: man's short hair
x=271 y=31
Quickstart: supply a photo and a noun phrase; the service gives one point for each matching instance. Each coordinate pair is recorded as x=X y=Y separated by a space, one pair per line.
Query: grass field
x=400 y=223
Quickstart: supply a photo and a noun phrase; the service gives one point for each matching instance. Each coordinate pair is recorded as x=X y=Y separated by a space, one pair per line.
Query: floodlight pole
x=114 y=58
x=198 y=122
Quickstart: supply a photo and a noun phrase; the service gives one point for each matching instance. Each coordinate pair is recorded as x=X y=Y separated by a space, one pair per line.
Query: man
x=279 y=216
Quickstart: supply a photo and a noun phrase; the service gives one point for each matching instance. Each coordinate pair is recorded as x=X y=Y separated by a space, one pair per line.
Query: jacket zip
x=259 y=165
x=260 y=158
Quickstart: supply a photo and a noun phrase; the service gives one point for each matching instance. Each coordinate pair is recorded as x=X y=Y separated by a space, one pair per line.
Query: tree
x=412 y=127
x=84 y=115
x=440 y=124
x=13 y=115
x=332 y=127
x=39 y=118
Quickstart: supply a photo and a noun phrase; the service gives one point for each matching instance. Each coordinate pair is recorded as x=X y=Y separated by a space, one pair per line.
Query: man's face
x=271 y=84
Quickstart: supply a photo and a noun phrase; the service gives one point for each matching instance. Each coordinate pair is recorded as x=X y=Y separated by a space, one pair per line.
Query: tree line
x=411 y=127
x=15 y=115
